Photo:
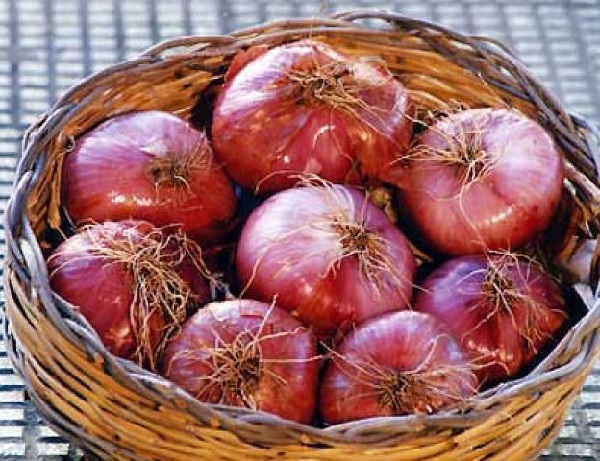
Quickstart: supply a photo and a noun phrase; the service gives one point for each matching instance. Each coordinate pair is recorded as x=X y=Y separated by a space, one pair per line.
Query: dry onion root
x=134 y=283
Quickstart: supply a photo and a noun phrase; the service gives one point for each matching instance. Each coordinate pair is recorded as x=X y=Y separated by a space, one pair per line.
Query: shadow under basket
x=115 y=410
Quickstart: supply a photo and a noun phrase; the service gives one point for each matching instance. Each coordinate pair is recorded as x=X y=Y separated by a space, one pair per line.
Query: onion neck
x=248 y=372
x=423 y=391
x=174 y=169
x=354 y=238
x=169 y=171
x=236 y=370
x=499 y=289
x=400 y=392
x=333 y=85
x=464 y=150
x=369 y=249
x=474 y=158
x=319 y=84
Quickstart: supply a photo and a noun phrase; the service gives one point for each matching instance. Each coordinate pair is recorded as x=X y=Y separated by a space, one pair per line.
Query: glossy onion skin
x=498 y=341
x=103 y=290
x=267 y=132
x=287 y=385
x=288 y=247
x=394 y=342
x=108 y=176
x=504 y=209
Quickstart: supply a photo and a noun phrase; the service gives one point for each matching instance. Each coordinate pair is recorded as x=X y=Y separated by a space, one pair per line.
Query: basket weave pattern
x=115 y=410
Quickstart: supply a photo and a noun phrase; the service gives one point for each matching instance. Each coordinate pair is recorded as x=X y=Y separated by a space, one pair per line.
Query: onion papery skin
x=152 y=166
x=511 y=196
x=283 y=377
x=104 y=288
x=269 y=127
x=291 y=250
x=363 y=378
x=503 y=332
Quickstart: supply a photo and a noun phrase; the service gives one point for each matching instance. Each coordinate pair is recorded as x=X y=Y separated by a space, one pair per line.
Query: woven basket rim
x=583 y=336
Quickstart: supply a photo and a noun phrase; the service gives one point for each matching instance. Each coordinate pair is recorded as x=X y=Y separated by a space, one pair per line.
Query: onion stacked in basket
x=322 y=248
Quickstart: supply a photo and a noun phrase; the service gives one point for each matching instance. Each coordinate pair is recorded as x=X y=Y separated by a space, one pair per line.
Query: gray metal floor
x=47 y=45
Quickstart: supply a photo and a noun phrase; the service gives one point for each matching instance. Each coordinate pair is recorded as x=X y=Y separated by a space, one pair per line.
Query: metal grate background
x=47 y=45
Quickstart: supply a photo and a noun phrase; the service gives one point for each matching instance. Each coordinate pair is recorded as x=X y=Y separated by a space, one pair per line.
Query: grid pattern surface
x=47 y=45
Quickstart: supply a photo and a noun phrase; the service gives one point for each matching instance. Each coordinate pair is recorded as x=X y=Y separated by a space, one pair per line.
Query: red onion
x=327 y=255
x=482 y=179
x=148 y=165
x=132 y=282
x=304 y=108
x=396 y=364
x=502 y=308
x=249 y=354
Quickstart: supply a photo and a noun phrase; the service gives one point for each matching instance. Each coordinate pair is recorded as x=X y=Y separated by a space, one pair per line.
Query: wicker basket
x=115 y=410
